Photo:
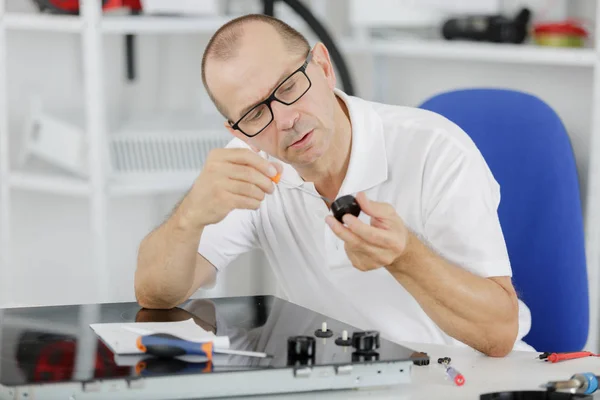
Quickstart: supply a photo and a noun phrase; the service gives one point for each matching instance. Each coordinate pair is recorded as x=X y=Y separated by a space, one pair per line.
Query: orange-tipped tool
x=276 y=178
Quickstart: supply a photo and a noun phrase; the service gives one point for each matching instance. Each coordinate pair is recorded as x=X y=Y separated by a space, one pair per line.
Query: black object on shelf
x=489 y=28
x=322 y=34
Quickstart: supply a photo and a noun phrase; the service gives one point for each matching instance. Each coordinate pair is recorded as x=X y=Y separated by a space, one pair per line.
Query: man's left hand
x=376 y=245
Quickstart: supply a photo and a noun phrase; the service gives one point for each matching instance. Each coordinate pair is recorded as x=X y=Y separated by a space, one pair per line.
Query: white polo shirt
x=438 y=182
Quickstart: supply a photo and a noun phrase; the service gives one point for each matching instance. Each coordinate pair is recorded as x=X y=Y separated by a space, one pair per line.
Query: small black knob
x=301 y=349
x=365 y=341
x=345 y=205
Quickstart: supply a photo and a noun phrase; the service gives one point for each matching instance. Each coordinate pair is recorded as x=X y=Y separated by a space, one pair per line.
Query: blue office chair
x=528 y=150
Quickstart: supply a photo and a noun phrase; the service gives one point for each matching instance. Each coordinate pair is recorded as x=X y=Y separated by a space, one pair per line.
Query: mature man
x=425 y=261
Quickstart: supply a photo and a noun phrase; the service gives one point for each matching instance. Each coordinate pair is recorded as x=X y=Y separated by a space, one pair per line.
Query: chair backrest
x=529 y=152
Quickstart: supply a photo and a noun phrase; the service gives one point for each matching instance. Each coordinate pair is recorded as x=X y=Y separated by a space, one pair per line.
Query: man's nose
x=284 y=116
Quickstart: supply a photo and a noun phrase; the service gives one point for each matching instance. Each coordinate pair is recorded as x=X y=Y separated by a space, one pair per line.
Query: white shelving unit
x=93 y=27
x=498 y=53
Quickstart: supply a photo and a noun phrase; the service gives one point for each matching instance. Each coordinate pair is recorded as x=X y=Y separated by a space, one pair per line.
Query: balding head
x=247 y=34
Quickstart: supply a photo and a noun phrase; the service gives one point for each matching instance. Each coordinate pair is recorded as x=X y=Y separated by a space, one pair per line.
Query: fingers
x=245 y=189
x=244 y=202
x=242 y=173
x=342 y=232
x=370 y=234
x=374 y=208
x=251 y=159
x=362 y=254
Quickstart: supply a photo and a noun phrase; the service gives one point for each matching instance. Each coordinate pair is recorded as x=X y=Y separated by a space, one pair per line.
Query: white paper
x=121 y=337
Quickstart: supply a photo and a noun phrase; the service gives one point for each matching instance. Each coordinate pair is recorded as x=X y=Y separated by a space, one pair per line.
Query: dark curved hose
x=322 y=34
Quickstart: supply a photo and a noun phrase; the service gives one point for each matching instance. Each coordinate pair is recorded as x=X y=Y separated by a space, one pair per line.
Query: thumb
x=372 y=208
x=277 y=166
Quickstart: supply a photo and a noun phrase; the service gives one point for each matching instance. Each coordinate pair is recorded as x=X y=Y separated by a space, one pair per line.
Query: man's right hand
x=230 y=179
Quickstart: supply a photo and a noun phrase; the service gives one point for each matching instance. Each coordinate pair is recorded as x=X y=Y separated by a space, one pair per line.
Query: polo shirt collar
x=368 y=165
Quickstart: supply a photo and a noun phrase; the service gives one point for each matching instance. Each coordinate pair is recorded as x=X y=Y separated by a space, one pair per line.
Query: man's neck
x=328 y=175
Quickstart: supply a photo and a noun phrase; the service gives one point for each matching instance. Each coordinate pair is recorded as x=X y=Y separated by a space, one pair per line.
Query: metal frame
x=214 y=385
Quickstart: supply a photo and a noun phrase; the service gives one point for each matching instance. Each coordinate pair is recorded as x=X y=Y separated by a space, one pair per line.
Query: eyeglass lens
x=287 y=93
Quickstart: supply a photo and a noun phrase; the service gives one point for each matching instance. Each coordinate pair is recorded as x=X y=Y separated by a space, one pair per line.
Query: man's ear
x=241 y=136
x=321 y=57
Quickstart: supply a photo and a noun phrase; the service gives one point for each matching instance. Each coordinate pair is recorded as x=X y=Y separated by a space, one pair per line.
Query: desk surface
x=518 y=371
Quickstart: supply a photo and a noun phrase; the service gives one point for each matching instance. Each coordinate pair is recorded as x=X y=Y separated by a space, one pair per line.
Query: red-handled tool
x=556 y=357
x=451 y=372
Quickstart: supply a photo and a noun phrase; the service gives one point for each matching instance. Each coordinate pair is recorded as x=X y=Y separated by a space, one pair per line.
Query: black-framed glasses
x=287 y=92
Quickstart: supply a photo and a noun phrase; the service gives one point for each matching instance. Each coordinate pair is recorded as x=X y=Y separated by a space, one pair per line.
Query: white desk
x=518 y=371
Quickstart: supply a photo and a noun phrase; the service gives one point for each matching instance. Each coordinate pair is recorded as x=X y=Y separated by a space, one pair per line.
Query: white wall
x=49 y=238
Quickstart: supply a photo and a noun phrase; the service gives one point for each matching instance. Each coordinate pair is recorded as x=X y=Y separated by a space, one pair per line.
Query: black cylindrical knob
x=301 y=347
x=365 y=341
x=345 y=205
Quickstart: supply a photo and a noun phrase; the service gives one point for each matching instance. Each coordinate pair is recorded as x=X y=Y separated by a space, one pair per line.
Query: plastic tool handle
x=456 y=376
x=168 y=346
x=556 y=357
x=158 y=366
x=591 y=380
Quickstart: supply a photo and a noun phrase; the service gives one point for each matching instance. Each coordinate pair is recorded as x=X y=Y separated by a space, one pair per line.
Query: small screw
x=344 y=340
x=323 y=332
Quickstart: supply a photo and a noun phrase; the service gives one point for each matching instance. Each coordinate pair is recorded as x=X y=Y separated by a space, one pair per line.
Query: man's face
x=300 y=133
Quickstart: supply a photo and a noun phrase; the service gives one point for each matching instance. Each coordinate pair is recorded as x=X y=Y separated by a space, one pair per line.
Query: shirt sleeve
x=460 y=207
x=223 y=242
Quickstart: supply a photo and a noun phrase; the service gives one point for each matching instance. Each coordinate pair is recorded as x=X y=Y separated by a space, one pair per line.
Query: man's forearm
x=166 y=262
x=477 y=311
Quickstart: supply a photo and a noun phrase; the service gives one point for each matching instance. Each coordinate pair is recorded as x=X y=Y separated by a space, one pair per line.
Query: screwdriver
x=277 y=179
x=585 y=383
x=343 y=205
x=556 y=357
x=160 y=366
x=165 y=345
x=452 y=373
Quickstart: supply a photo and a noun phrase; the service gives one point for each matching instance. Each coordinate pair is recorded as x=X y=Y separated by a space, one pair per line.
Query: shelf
x=43 y=22
x=154 y=24
x=491 y=52
x=64 y=185
x=56 y=184
x=115 y=24
x=170 y=184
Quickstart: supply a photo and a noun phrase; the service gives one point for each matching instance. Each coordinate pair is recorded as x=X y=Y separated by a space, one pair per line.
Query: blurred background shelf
x=62 y=184
x=165 y=184
x=469 y=51
x=49 y=183
x=43 y=22
x=161 y=24
x=114 y=24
